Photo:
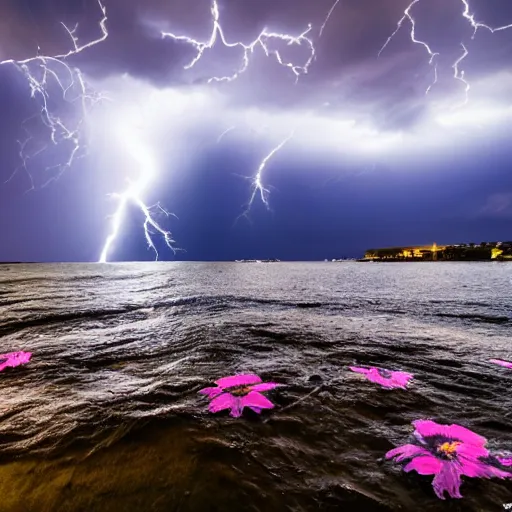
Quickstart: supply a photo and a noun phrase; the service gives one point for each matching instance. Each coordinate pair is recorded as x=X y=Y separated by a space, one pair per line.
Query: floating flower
x=386 y=378
x=237 y=392
x=448 y=452
x=13 y=359
x=505 y=364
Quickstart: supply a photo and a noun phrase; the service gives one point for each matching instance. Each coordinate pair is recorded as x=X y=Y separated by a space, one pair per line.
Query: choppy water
x=107 y=417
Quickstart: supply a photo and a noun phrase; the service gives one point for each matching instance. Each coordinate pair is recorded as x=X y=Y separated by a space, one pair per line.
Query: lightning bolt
x=144 y=160
x=322 y=28
x=225 y=132
x=458 y=74
x=476 y=25
x=262 y=41
x=258 y=188
x=407 y=16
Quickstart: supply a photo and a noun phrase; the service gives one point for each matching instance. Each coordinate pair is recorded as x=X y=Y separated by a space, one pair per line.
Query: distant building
x=418 y=252
x=485 y=251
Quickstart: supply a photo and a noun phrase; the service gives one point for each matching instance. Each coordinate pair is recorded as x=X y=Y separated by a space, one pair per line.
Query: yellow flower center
x=240 y=390
x=449 y=449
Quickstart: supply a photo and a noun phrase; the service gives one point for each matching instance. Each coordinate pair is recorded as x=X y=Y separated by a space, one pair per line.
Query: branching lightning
x=263 y=40
x=146 y=170
x=38 y=71
x=407 y=16
x=258 y=188
x=458 y=74
x=476 y=25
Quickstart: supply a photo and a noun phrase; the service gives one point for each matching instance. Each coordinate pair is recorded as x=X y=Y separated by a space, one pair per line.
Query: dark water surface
x=107 y=416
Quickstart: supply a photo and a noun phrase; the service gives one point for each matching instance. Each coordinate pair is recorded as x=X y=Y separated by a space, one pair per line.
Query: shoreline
x=412 y=260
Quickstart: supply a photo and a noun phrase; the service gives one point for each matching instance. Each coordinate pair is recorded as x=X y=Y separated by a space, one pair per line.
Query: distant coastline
x=273 y=260
x=485 y=251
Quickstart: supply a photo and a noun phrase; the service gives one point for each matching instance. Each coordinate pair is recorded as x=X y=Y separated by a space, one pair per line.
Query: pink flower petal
x=505 y=461
x=255 y=399
x=408 y=451
x=386 y=382
x=222 y=402
x=448 y=480
x=401 y=378
x=395 y=380
x=13 y=359
x=505 y=364
x=470 y=451
x=238 y=380
x=211 y=392
x=238 y=407
x=477 y=469
x=428 y=428
x=265 y=386
x=424 y=465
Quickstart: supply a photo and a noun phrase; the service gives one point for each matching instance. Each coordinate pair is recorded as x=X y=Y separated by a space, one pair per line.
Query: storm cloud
x=352 y=105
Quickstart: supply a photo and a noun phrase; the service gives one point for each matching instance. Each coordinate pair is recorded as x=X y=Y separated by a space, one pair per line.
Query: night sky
x=372 y=161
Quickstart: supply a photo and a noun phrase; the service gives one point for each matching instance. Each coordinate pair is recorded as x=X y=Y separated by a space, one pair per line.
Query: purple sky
x=371 y=160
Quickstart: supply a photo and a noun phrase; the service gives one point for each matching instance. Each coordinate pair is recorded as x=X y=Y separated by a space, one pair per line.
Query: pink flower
x=237 y=392
x=386 y=378
x=448 y=452
x=505 y=364
x=13 y=359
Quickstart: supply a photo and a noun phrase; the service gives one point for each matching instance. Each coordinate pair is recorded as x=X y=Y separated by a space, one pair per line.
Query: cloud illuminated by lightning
x=458 y=74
